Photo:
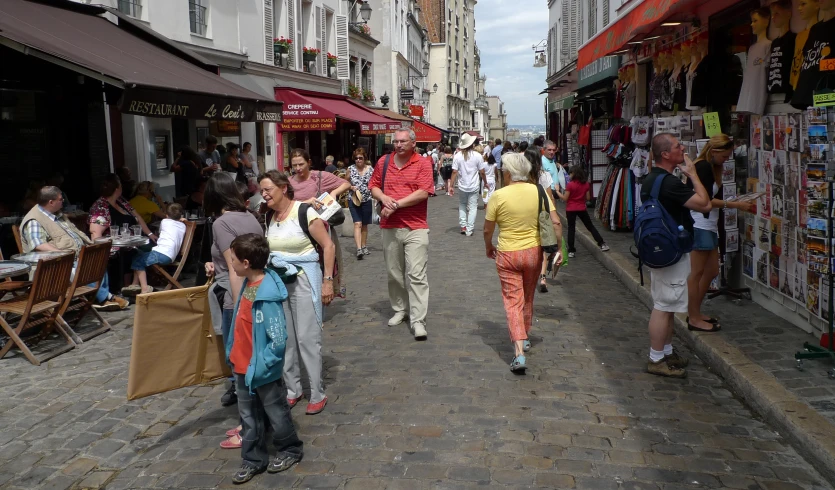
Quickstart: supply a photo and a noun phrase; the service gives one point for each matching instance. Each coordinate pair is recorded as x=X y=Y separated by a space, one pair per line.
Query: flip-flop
x=233 y=442
x=234 y=432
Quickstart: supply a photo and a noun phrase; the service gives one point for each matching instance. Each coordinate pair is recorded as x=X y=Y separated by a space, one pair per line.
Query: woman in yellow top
x=146 y=203
x=515 y=208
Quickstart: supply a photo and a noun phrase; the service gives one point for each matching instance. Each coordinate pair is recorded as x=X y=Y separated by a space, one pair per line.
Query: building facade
x=498 y=118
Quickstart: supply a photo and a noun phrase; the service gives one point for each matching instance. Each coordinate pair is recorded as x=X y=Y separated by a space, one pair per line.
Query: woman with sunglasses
x=359 y=175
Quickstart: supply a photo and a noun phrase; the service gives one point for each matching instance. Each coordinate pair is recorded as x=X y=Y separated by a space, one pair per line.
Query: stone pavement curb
x=808 y=431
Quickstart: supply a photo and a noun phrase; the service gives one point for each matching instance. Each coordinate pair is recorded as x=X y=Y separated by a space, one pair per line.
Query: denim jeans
x=467 y=209
x=104 y=290
x=225 y=328
x=267 y=403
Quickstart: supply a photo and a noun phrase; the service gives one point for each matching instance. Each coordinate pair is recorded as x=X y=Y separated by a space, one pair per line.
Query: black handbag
x=338 y=218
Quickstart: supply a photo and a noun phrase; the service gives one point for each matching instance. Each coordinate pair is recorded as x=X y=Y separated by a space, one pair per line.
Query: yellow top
x=144 y=207
x=515 y=209
x=797 y=61
x=287 y=236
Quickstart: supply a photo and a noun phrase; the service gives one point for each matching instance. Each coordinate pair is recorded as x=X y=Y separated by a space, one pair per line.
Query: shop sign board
x=712 y=126
x=566 y=102
x=425 y=133
x=597 y=70
x=142 y=101
x=824 y=99
x=379 y=128
x=416 y=110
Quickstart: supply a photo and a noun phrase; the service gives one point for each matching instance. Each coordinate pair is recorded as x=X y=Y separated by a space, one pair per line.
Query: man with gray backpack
x=663 y=235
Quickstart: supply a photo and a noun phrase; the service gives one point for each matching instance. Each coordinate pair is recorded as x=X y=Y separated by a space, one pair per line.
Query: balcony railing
x=131 y=7
x=197 y=18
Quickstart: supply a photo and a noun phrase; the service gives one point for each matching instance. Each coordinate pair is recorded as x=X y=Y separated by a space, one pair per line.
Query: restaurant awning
x=155 y=81
x=405 y=120
x=426 y=133
x=641 y=19
x=314 y=111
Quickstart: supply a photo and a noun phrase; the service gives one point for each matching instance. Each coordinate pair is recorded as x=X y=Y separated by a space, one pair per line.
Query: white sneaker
x=397 y=319
x=419 y=331
x=604 y=247
x=570 y=255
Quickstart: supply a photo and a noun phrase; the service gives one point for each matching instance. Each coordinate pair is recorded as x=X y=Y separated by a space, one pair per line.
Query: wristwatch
x=328 y=278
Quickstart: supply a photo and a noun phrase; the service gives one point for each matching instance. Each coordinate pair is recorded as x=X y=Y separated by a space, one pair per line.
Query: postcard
x=793 y=131
x=730 y=219
x=817 y=134
x=819 y=152
x=728 y=171
x=748 y=258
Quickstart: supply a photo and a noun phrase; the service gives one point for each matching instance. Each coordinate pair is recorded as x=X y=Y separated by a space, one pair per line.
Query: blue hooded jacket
x=269 y=331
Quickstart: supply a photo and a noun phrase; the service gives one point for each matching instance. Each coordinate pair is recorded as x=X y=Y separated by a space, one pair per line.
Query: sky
x=505 y=34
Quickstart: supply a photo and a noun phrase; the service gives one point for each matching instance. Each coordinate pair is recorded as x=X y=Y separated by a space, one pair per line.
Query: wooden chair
x=180 y=260
x=40 y=306
x=89 y=273
x=16 y=232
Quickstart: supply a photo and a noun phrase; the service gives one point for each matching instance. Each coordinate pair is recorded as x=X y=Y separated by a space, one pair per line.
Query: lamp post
x=365 y=13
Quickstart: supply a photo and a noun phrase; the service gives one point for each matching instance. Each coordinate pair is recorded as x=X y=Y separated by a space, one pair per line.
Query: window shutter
x=291 y=29
x=576 y=20
x=300 y=40
x=268 y=32
x=343 y=68
x=323 y=58
x=317 y=34
x=605 y=13
x=566 y=29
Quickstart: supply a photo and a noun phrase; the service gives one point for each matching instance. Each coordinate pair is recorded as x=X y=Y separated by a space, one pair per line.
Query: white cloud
x=505 y=34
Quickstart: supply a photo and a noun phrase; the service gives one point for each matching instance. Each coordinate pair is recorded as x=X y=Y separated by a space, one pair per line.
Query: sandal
x=543 y=286
x=233 y=432
x=233 y=442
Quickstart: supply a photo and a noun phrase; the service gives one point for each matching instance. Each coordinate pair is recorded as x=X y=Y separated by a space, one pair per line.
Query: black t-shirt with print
x=818 y=46
x=780 y=65
x=672 y=196
x=701 y=83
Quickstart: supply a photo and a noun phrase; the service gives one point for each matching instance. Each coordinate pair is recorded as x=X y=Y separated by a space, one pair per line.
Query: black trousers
x=586 y=219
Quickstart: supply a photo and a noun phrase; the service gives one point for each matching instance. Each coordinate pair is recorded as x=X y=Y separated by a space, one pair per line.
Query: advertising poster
x=731 y=241
x=787 y=278
x=780 y=163
x=754 y=163
x=761 y=266
x=756 y=132
x=794 y=132
x=767 y=168
x=774 y=265
x=762 y=234
x=800 y=243
x=780 y=137
x=777 y=200
x=775 y=228
x=813 y=280
x=748 y=258
x=768 y=133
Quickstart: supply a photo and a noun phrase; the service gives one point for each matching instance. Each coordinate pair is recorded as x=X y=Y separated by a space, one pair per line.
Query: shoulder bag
x=379 y=208
x=338 y=218
x=547 y=235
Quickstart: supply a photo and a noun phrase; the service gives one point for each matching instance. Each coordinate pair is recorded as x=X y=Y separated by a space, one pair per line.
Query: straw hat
x=356 y=198
x=467 y=140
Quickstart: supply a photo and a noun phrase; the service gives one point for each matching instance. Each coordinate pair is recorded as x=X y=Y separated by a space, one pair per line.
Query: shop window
x=198 y=15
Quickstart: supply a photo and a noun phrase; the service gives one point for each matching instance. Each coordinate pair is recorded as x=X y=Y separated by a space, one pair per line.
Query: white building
x=480 y=108
x=498 y=118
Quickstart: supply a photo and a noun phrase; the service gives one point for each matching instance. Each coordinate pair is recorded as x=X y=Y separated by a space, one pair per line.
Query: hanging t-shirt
x=656 y=89
x=691 y=75
x=680 y=89
x=629 y=101
x=640 y=162
x=780 y=65
x=641 y=130
x=667 y=92
x=797 y=57
x=753 y=95
x=701 y=83
x=818 y=47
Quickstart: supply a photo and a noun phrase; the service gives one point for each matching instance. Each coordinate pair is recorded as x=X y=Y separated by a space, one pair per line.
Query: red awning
x=426 y=133
x=642 y=19
x=305 y=110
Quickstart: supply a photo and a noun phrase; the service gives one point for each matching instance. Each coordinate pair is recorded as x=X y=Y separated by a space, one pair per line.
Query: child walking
x=171 y=233
x=255 y=350
x=577 y=192
x=490 y=177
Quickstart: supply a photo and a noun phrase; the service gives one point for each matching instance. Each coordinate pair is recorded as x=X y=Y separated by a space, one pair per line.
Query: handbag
x=338 y=218
x=547 y=235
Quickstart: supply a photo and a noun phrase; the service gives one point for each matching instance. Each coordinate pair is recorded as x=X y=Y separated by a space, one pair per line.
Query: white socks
x=655 y=355
x=668 y=350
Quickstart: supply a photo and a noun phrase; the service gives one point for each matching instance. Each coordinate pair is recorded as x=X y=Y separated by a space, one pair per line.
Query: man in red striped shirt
x=402 y=182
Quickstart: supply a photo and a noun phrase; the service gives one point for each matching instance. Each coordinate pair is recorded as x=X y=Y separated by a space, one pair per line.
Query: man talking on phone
x=669 y=284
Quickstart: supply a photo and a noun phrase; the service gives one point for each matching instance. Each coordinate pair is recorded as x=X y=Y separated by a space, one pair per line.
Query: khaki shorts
x=669 y=286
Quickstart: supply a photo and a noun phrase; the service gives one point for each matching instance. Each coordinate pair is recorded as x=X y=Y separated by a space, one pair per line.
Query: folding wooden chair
x=89 y=273
x=16 y=232
x=180 y=260
x=40 y=307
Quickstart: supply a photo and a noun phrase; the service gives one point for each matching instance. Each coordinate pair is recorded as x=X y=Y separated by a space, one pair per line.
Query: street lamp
x=435 y=88
x=365 y=13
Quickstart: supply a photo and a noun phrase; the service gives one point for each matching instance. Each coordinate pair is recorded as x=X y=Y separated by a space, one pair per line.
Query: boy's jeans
x=467 y=209
x=269 y=400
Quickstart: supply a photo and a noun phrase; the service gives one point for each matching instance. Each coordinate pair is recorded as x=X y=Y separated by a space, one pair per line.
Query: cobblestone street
x=445 y=413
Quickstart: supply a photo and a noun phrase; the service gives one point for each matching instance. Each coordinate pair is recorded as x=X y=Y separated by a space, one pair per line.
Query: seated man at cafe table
x=46 y=229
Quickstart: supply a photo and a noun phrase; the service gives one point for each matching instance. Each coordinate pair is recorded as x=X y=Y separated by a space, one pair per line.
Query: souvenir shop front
x=750 y=73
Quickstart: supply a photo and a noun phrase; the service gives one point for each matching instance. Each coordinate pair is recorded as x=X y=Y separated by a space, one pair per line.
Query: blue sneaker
x=518 y=365
x=526 y=345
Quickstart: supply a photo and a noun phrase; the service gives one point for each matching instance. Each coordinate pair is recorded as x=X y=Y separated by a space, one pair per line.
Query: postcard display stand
x=798 y=234
x=730 y=236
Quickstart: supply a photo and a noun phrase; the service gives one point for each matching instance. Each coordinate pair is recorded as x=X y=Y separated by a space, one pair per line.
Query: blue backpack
x=659 y=241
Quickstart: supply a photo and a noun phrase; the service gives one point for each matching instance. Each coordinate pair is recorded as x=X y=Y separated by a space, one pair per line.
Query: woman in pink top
x=577 y=192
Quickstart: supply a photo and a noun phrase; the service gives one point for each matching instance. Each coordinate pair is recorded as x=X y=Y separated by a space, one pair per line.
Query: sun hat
x=356 y=198
x=467 y=140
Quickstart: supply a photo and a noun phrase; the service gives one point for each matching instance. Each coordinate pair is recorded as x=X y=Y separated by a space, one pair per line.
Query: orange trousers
x=519 y=273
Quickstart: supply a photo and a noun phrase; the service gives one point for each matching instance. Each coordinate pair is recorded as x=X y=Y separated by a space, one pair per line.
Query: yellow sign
x=827 y=64
x=712 y=127
x=824 y=100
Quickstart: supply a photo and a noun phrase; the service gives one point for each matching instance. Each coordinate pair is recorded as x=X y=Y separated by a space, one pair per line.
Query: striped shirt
x=401 y=182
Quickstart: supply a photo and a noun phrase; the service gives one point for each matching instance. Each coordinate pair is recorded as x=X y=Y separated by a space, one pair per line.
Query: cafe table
x=13 y=268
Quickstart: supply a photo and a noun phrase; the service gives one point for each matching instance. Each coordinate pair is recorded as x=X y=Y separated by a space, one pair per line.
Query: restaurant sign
x=379 y=128
x=189 y=105
x=597 y=70
x=305 y=116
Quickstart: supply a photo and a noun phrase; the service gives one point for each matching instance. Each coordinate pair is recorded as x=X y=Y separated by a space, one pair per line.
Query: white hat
x=467 y=140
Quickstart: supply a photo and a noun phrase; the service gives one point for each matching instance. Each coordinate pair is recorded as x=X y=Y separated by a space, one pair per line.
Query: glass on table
x=136 y=230
x=114 y=232
x=125 y=229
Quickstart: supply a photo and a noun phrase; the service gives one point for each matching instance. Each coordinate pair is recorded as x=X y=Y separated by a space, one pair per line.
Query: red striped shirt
x=401 y=182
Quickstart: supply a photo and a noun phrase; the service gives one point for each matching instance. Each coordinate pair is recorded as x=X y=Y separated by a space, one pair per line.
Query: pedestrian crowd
x=276 y=263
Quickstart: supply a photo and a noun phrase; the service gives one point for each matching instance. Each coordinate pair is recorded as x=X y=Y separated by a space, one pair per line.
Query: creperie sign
x=296 y=110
